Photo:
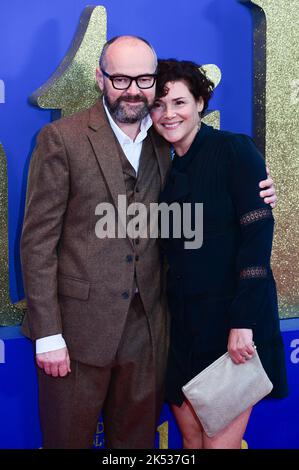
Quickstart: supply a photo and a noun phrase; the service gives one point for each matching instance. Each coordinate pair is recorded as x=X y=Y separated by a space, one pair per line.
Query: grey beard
x=121 y=114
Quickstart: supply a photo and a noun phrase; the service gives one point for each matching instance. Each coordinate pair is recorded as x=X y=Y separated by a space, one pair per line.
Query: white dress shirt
x=132 y=150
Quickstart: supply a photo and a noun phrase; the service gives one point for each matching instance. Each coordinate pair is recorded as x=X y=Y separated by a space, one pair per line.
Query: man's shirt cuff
x=50 y=343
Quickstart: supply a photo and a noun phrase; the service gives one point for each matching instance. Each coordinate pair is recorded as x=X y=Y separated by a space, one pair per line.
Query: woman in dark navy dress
x=222 y=296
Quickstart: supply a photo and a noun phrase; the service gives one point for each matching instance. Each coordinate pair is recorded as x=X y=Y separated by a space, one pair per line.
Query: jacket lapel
x=103 y=143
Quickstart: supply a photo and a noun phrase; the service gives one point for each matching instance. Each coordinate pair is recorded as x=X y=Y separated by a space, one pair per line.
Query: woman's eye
x=156 y=105
x=180 y=102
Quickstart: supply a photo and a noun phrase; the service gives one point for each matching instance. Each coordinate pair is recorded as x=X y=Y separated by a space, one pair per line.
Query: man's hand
x=55 y=363
x=240 y=346
x=268 y=194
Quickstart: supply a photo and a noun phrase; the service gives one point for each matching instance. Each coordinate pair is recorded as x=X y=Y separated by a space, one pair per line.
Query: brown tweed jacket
x=75 y=283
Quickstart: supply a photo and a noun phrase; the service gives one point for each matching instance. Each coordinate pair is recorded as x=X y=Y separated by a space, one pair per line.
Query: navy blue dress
x=228 y=282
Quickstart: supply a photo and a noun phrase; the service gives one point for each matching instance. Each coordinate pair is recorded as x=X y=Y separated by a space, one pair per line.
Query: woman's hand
x=240 y=346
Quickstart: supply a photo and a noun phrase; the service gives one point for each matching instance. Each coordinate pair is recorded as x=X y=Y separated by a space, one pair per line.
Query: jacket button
x=137 y=190
x=137 y=241
x=125 y=295
x=137 y=258
x=129 y=258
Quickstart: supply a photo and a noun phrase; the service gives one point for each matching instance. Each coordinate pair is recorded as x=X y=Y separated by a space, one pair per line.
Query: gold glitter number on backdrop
x=276 y=71
x=213 y=72
x=163 y=431
x=73 y=87
x=9 y=313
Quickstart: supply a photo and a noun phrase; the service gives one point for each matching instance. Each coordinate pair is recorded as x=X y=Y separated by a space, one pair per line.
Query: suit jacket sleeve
x=253 y=271
x=46 y=201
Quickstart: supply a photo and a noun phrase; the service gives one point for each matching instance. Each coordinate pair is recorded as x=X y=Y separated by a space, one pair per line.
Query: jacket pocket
x=72 y=287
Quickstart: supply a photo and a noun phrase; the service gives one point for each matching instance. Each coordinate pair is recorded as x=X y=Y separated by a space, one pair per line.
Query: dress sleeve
x=253 y=271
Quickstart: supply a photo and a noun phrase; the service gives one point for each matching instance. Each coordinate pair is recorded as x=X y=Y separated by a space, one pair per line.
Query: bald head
x=128 y=53
x=123 y=57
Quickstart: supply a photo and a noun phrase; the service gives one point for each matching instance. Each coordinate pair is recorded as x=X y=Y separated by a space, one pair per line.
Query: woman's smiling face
x=175 y=116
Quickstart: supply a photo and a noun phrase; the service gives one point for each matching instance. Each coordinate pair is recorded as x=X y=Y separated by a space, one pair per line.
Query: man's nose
x=133 y=88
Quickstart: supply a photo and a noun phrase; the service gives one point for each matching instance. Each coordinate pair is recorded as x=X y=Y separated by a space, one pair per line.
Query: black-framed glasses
x=123 y=82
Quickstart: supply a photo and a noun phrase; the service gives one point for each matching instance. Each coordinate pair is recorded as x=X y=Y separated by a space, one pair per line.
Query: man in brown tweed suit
x=96 y=306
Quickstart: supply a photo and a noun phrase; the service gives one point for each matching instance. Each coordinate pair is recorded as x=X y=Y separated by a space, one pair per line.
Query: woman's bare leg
x=231 y=437
x=189 y=425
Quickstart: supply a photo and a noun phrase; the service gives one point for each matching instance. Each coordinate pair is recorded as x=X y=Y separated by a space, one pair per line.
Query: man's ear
x=100 y=78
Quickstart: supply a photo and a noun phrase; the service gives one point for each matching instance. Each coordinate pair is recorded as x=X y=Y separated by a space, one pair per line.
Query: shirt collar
x=123 y=138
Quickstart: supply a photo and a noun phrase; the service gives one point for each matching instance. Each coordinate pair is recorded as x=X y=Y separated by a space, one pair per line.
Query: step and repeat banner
x=49 y=52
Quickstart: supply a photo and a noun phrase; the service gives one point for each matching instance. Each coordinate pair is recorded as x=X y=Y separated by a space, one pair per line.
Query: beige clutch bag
x=223 y=390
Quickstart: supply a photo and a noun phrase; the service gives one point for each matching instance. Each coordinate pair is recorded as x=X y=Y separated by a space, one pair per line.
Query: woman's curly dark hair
x=172 y=70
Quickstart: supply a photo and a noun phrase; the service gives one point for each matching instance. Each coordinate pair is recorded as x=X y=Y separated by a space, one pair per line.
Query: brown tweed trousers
x=84 y=287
